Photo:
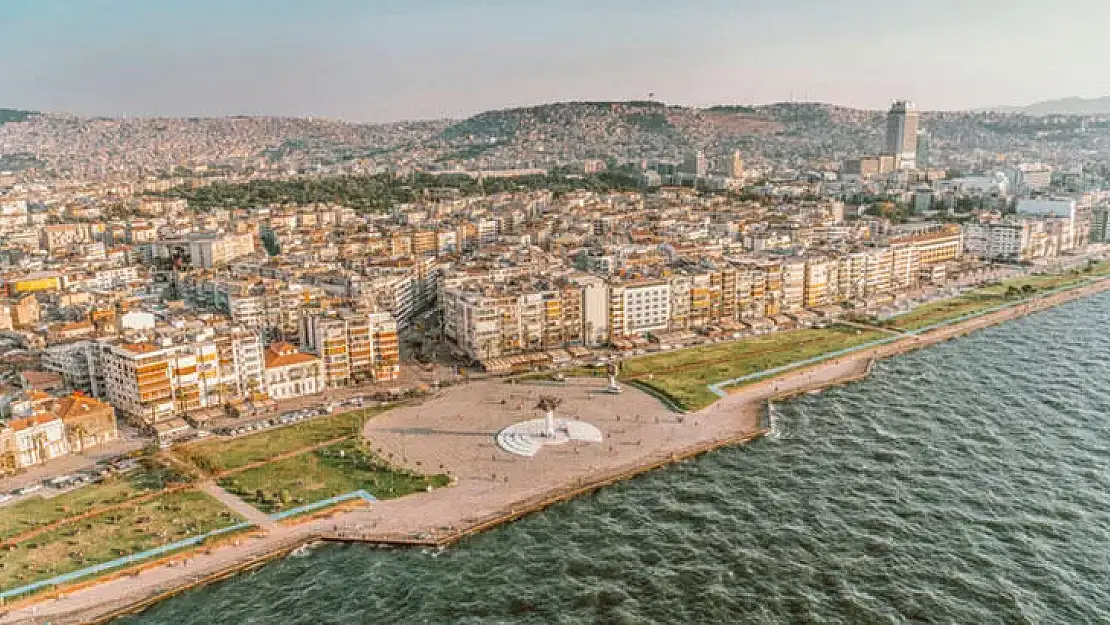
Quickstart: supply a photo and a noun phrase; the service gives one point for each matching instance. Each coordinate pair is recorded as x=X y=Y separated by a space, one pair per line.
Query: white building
x=1000 y=241
x=639 y=308
x=206 y=250
x=290 y=373
x=1035 y=177
x=39 y=438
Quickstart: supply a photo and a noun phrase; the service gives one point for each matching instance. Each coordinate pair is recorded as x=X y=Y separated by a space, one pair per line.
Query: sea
x=968 y=482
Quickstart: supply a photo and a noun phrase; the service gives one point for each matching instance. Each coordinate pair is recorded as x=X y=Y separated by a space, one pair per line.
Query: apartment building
x=78 y=364
x=639 y=308
x=494 y=320
x=138 y=380
x=206 y=250
x=793 y=285
x=821 y=282
x=354 y=347
x=935 y=246
x=241 y=363
x=153 y=380
x=58 y=238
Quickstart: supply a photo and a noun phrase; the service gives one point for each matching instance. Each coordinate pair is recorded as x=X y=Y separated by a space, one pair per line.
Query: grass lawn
x=25 y=515
x=977 y=301
x=685 y=374
x=569 y=372
x=153 y=523
x=1097 y=269
x=324 y=473
x=221 y=455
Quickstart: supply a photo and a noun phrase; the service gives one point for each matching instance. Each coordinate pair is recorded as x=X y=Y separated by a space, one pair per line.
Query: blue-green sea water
x=965 y=483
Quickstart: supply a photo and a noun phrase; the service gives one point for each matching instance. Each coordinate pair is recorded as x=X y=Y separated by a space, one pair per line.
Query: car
x=27 y=490
x=61 y=481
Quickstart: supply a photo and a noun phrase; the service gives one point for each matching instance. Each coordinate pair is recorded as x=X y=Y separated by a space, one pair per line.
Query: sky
x=386 y=60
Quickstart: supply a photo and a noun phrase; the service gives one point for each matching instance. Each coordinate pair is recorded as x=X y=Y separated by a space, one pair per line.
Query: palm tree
x=39 y=441
x=78 y=432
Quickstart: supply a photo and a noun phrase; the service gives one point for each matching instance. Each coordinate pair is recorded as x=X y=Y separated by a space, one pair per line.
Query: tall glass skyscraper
x=901 y=134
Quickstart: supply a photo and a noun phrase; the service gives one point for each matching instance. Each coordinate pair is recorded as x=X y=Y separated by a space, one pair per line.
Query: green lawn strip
x=33 y=512
x=325 y=473
x=1009 y=291
x=685 y=375
x=1097 y=269
x=159 y=521
x=214 y=456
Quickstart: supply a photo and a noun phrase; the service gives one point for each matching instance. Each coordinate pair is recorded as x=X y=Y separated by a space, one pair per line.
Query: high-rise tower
x=901 y=134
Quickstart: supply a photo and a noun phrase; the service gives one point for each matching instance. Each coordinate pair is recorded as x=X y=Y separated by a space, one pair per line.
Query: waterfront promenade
x=456 y=430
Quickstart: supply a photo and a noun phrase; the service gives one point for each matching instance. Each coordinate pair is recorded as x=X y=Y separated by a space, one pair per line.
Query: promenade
x=454 y=432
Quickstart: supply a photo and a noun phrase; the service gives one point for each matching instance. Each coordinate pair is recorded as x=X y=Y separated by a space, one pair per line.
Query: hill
x=1062 y=106
x=14 y=115
x=581 y=130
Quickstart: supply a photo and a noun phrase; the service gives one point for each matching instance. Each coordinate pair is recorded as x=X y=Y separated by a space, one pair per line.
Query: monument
x=526 y=438
x=548 y=404
x=614 y=388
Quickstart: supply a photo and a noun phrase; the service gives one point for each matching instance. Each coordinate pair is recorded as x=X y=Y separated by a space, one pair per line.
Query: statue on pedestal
x=548 y=404
x=613 y=387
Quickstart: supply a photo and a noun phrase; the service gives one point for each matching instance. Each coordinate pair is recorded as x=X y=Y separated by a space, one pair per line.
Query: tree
x=78 y=433
x=39 y=442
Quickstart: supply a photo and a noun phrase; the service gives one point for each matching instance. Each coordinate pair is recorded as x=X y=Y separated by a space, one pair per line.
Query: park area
x=301 y=464
x=114 y=533
x=684 y=376
x=324 y=473
x=35 y=512
x=217 y=456
x=980 y=300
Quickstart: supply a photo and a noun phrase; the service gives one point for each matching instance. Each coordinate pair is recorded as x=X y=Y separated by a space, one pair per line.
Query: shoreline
x=476 y=504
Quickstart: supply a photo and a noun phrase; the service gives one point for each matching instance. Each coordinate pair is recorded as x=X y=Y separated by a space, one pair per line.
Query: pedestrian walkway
x=872 y=328
x=250 y=513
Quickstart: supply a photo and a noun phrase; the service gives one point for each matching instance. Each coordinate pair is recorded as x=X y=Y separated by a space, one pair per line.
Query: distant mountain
x=1062 y=106
x=14 y=115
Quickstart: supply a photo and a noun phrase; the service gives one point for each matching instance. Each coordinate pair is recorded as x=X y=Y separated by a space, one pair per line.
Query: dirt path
x=247 y=511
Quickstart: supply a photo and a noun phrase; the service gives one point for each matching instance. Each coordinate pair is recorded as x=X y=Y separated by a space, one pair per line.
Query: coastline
x=477 y=503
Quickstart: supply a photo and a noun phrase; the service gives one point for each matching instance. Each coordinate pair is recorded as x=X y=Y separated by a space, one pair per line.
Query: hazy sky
x=379 y=60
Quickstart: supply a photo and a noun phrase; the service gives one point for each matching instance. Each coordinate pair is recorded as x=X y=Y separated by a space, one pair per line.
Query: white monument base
x=526 y=438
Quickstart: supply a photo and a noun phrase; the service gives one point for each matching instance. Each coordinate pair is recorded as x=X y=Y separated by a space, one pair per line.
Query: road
x=70 y=464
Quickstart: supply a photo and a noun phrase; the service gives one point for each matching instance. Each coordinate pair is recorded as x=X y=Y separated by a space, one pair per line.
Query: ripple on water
x=966 y=483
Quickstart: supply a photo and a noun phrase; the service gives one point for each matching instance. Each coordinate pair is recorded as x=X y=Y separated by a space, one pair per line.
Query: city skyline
x=386 y=61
